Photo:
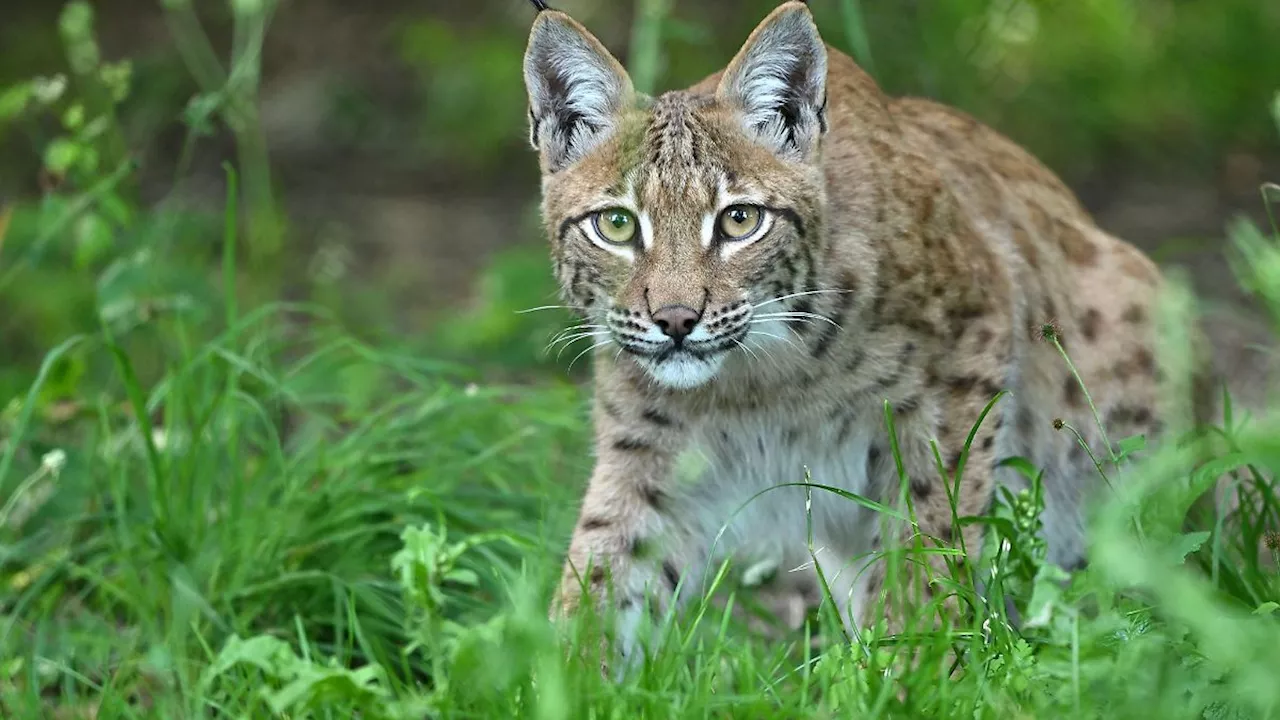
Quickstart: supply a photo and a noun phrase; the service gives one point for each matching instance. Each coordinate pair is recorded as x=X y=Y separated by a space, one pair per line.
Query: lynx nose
x=675 y=321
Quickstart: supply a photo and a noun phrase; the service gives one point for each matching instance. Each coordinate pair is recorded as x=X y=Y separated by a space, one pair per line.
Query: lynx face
x=680 y=223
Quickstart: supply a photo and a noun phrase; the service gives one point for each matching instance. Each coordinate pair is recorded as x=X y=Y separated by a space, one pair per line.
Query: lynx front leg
x=627 y=555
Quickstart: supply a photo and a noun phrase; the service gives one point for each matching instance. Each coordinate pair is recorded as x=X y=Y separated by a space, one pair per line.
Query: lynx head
x=673 y=218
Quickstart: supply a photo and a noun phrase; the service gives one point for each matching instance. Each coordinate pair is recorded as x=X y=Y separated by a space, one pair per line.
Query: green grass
x=392 y=558
x=288 y=522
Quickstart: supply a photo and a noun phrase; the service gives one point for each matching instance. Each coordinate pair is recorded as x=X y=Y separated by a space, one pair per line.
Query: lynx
x=769 y=258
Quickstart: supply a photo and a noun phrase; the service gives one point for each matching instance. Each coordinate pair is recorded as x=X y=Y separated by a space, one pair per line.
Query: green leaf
x=48 y=90
x=60 y=156
x=1267 y=608
x=1023 y=466
x=314 y=685
x=1046 y=595
x=14 y=100
x=93 y=238
x=1188 y=543
x=1131 y=444
x=272 y=656
x=200 y=111
x=73 y=118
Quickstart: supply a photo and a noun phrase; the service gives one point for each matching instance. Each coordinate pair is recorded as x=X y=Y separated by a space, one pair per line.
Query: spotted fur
x=911 y=256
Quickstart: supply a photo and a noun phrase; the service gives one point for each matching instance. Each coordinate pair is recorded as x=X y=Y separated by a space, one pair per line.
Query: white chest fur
x=724 y=488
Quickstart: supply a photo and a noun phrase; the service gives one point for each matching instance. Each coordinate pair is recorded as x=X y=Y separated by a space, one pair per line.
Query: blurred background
x=382 y=148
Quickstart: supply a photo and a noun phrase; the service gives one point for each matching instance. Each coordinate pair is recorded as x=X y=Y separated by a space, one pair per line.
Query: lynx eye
x=615 y=226
x=739 y=221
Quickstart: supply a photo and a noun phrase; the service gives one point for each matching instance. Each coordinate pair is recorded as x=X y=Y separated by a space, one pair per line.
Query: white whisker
x=786 y=340
x=795 y=314
x=748 y=350
x=573 y=339
x=546 y=307
x=772 y=358
x=786 y=324
x=796 y=295
x=584 y=352
x=575 y=328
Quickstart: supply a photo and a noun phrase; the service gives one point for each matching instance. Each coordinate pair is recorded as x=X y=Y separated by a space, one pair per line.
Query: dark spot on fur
x=1145 y=362
x=631 y=445
x=1078 y=248
x=653 y=496
x=832 y=329
x=845 y=430
x=597 y=575
x=670 y=574
x=791 y=217
x=856 y=361
x=1071 y=391
x=988 y=441
x=657 y=418
x=921 y=488
x=640 y=548
x=792 y=435
x=904 y=357
x=594 y=522
x=801 y=322
x=1121 y=415
x=1134 y=314
x=610 y=409
x=1089 y=323
x=947 y=533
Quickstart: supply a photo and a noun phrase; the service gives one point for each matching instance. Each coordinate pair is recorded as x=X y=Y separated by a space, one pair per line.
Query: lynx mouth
x=657 y=353
x=682 y=369
x=681 y=364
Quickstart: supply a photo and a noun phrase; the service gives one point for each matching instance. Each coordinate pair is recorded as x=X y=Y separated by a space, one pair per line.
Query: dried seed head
x=1050 y=331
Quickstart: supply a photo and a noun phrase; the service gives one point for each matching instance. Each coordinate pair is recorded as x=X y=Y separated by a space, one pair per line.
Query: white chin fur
x=683 y=372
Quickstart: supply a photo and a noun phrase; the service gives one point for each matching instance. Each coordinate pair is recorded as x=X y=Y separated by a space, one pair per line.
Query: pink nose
x=675 y=321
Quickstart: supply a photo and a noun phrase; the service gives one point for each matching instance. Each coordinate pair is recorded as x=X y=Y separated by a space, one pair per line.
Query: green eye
x=615 y=225
x=739 y=221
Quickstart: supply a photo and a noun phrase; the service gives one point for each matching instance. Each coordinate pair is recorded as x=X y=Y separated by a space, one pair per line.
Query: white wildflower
x=53 y=461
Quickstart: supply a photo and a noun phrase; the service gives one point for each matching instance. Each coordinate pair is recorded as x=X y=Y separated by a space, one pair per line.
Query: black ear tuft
x=540 y=5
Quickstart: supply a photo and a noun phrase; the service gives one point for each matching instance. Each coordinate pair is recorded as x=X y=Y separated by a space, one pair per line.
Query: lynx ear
x=576 y=89
x=778 y=82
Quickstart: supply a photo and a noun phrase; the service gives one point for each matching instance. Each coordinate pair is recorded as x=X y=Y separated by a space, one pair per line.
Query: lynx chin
x=765 y=260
